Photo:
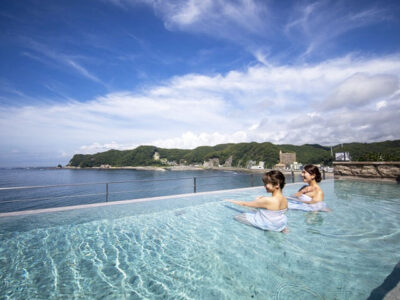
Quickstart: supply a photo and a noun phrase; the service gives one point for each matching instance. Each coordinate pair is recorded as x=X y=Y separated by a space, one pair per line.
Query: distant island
x=235 y=155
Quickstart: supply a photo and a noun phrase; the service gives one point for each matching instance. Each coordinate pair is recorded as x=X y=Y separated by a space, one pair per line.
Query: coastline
x=190 y=168
x=172 y=168
x=145 y=168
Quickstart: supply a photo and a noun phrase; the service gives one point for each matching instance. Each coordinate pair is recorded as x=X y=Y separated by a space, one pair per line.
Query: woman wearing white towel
x=310 y=197
x=271 y=211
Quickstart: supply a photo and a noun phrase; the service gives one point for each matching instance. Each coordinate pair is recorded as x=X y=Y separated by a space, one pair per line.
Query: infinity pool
x=191 y=248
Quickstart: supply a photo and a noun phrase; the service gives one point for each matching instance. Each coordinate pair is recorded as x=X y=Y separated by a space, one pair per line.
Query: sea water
x=191 y=248
x=89 y=185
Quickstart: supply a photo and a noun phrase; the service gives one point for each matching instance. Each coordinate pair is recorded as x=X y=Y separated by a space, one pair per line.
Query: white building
x=296 y=165
x=260 y=166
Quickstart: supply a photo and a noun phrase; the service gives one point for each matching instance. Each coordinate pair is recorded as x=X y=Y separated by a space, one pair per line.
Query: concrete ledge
x=387 y=171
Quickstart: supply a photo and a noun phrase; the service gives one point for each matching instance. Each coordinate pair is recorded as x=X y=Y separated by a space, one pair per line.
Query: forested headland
x=238 y=154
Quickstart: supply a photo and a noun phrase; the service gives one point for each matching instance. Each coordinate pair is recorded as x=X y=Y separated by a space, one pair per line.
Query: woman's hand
x=233 y=201
x=304 y=190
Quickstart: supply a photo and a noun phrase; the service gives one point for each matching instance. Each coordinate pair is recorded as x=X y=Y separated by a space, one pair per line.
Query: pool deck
x=390 y=287
x=393 y=294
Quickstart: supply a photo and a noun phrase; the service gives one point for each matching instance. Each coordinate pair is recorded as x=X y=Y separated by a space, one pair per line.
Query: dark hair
x=274 y=177
x=313 y=170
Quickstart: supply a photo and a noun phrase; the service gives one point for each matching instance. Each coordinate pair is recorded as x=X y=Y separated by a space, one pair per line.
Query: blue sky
x=89 y=76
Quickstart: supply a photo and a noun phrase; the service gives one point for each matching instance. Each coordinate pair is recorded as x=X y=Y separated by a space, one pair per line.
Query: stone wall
x=367 y=170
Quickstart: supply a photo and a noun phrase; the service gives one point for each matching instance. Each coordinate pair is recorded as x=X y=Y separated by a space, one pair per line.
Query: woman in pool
x=310 y=197
x=270 y=214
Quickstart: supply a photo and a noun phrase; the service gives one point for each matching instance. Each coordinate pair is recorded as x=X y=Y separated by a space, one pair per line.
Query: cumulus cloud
x=190 y=140
x=328 y=103
x=360 y=89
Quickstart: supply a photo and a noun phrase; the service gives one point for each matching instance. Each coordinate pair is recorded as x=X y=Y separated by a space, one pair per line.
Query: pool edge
x=111 y=203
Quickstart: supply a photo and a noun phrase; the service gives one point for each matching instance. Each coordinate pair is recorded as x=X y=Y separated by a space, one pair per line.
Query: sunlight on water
x=193 y=249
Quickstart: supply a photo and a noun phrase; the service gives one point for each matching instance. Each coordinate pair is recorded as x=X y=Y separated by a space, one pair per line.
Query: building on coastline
x=342 y=156
x=279 y=166
x=296 y=166
x=260 y=166
x=287 y=158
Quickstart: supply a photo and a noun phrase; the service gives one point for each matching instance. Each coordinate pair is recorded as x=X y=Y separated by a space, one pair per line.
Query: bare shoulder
x=308 y=189
x=265 y=199
x=319 y=193
x=277 y=203
x=317 y=188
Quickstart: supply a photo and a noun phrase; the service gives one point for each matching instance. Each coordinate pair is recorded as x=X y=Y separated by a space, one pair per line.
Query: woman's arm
x=304 y=190
x=258 y=203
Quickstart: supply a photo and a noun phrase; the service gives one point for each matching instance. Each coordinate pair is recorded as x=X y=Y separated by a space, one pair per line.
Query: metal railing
x=106 y=192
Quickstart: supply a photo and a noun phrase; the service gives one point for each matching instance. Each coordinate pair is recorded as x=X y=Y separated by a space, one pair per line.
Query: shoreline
x=189 y=168
x=145 y=168
x=173 y=168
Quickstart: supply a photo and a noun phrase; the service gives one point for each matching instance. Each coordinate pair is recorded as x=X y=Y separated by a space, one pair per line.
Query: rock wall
x=211 y=163
x=228 y=162
x=368 y=170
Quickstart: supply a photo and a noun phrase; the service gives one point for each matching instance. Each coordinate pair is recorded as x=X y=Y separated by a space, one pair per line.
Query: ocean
x=51 y=187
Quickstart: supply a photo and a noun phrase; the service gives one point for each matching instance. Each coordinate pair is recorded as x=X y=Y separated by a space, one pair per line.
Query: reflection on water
x=191 y=248
x=314 y=218
x=369 y=190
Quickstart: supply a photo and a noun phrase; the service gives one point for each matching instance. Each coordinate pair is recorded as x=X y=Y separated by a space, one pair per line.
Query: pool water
x=191 y=248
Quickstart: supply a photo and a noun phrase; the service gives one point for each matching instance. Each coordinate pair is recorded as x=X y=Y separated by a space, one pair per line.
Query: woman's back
x=276 y=203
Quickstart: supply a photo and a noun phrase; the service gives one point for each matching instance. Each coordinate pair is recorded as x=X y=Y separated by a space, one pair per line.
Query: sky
x=94 y=75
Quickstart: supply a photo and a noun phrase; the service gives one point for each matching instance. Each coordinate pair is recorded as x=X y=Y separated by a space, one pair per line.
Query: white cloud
x=305 y=27
x=190 y=140
x=98 y=147
x=184 y=14
x=381 y=104
x=212 y=17
x=360 y=89
x=275 y=103
x=65 y=154
x=261 y=57
x=227 y=19
x=313 y=114
x=315 y=25
x=53 y=58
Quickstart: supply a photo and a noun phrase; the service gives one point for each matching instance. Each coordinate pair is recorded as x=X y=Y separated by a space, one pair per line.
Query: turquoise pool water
x=191 y=248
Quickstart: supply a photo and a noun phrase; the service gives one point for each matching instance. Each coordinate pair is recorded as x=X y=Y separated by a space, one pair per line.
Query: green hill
x=240 y=153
